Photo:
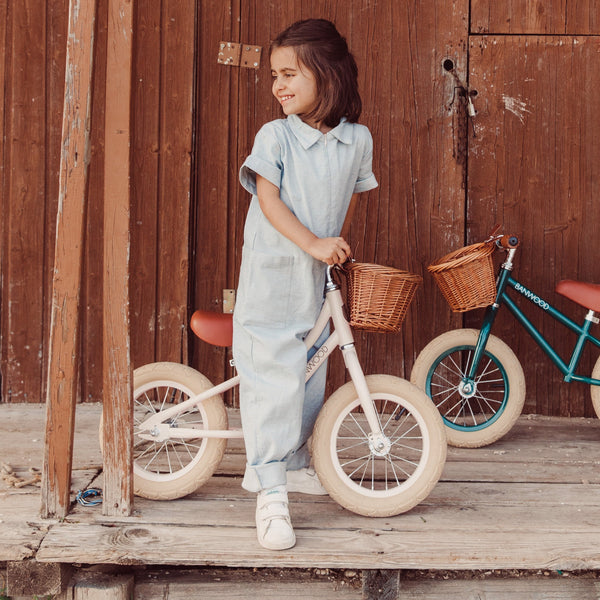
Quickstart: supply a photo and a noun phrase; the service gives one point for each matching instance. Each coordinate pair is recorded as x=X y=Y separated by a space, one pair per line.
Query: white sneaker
x=305 y=481
x=273 y=525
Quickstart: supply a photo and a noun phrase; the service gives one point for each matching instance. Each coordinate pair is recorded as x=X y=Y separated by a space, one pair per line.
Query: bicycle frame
x=505 y=281
x=342 y=337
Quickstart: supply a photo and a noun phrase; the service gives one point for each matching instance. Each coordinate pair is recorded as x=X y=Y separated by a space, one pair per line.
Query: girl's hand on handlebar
x=331 y=250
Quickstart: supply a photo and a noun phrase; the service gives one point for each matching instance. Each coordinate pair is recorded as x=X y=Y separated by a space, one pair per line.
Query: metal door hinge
x=239 y=55
x=228 y=301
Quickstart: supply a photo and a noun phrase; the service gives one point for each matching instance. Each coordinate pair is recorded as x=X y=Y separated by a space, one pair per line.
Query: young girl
x=304 y=174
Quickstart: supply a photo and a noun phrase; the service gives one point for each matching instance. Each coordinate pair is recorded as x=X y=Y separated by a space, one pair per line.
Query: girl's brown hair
x=321 y=49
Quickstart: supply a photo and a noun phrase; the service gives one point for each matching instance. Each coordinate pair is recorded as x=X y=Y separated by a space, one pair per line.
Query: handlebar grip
x=509 y=241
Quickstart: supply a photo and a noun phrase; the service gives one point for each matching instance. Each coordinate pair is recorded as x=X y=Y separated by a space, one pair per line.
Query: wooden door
x=417 y=212
x=534 y=166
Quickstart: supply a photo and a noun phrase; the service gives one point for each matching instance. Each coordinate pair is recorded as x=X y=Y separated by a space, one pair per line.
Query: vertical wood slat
x=174 y=173
x=64 y=326
x=4 y=76
x=212 y=173
x=23 y=200
x=91 y=292
x=145 y=157
x=117 y=401
x=57 y=23
x=3 y=30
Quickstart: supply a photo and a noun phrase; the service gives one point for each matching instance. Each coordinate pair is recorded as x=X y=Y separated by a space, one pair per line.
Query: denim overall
x=280 y=291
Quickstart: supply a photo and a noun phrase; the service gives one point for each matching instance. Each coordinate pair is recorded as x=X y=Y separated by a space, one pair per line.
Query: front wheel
x=176 y=467
x=388 y=476
x=476 y=412
x=595 y=389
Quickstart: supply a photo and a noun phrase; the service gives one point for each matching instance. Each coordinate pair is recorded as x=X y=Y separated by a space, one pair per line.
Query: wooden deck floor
x=530 y=501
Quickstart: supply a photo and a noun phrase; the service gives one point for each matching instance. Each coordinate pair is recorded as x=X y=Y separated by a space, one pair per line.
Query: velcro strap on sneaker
x=273 y=510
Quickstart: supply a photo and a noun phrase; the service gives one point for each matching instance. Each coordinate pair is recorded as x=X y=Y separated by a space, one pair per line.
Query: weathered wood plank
x=381 y=584
x=20 y=529
x=515 y=523
x=175 y=129
x=117 y=369
x=57 y=23
x=525 y=454
x=19 y=540
x=145 y=159
x=550 y=17
x=104 y=586
x=502 y=589
x=64 y=358
x=331 y=548
x=91 y=369
x=22 y=435
x=235 y=585
x=213 y=173
x=23 y=192
x=526 y=172
x=29 y=578
x=4 y=230
x=496 y=509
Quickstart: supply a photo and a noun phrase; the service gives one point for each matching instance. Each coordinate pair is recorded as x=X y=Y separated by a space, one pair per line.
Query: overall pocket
x=264 y=290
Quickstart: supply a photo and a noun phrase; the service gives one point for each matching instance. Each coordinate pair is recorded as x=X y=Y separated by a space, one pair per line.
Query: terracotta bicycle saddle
x=213 y=327
x=586 y=294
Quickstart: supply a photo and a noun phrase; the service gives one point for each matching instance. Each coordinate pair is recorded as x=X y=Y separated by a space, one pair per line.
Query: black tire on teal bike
x=475 y=412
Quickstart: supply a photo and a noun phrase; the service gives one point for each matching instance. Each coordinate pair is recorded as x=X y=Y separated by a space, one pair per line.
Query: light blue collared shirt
x=280 y=285
x=316 y=173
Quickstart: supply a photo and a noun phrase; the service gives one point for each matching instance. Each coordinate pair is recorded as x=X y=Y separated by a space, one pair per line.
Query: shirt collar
x=307 y=135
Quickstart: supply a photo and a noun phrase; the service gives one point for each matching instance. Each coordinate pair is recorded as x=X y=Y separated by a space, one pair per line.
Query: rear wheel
x=176 y=467
x=478 y=412
x=386 y=476
x=595 y=389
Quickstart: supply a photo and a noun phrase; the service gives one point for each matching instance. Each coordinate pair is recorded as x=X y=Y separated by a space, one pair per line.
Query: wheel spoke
x=445 y=385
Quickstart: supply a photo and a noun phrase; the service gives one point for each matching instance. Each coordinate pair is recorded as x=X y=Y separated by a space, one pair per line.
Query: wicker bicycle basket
x=378 y=297
x=466 y=277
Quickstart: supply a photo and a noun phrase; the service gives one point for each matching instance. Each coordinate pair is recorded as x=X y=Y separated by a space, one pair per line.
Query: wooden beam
x=381 y=584
x=61 y=395
x=27 y=578
x=117 y=372
x=104 y=586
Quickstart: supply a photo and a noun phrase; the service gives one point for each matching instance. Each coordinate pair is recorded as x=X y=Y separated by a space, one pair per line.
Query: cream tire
x=595 y=389
x=368 y=481
x=501 y=387
x=176 y=468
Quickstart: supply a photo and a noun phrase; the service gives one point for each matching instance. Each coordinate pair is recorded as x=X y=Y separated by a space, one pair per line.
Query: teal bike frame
x=505 y=281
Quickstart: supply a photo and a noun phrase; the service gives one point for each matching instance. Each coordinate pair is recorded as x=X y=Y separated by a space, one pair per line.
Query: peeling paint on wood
x=516 y=106
x=63 y=361
x=117 y=370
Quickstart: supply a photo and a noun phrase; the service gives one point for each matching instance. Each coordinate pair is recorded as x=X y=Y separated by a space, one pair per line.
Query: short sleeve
x=265 y=160
x=366 y=179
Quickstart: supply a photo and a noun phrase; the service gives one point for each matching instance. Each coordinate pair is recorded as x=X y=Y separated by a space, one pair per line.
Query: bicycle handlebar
x=508 y=241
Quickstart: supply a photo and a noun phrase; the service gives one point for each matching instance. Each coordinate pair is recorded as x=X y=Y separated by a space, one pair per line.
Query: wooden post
x=29 y=578
x=381 y=584
x=61 y=394
x=117 y=375
x=104 y=586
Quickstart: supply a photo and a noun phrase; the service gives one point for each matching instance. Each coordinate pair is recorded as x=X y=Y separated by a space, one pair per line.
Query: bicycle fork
x=468 y=387
x=345 y=339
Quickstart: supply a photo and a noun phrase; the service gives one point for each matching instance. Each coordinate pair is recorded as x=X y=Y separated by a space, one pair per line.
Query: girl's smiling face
x=294 y=85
